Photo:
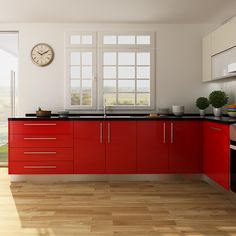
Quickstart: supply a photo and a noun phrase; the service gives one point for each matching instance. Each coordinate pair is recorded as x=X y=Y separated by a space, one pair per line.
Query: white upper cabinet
x=206 y=58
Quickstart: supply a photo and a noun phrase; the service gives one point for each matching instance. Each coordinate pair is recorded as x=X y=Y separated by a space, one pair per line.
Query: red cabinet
x=89 y=148
x=185 y=146
x=216 y=152
x=153 y=147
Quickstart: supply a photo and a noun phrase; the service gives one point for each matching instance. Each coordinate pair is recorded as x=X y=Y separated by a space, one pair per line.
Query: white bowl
x=232 y=114
x=176 y=108
x=178 y=113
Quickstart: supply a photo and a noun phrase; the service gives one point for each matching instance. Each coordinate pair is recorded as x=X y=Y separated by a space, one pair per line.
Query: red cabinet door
x=216 y=152
x=152 y=147
x=89 y=147
x=121 y=147
x=185 y=147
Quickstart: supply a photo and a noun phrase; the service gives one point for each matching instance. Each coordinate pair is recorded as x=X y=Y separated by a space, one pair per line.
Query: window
x=125 y=70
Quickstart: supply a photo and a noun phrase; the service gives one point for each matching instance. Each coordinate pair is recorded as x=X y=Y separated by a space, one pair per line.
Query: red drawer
x=62 y=167
x=41 y=127
x=41 y=140
x=41 y=154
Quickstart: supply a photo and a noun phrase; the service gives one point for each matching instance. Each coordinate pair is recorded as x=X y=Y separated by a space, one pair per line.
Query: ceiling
x=117 y=11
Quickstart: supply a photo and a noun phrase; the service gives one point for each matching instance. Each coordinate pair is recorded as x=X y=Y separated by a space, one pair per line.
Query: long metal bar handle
x=40 y=167
x=40 y=124
x=41 y=153
x=13 y=92
x=40 y=138
x=164 y=132
x=109 y=133
x=216 y=129
x=172 y=132
x=101 y=132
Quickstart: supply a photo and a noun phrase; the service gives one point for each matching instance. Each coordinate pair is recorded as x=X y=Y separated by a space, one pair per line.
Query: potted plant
x=218 y=99
x=202 y=103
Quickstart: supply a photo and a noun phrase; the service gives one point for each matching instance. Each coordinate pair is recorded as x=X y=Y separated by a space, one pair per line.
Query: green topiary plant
x=202 y=103
x=218 y=99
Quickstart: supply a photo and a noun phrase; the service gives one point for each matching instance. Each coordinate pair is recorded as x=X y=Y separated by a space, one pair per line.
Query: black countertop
x=222 y=119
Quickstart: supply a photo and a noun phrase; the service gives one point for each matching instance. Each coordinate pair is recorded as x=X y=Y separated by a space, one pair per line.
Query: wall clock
x=42 y=54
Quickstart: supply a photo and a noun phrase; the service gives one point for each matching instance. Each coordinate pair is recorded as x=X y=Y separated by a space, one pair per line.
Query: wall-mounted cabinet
x=206 y=58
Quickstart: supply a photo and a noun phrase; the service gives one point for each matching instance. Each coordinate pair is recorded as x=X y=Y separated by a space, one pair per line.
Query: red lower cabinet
x=216 y=153
x=153 y=147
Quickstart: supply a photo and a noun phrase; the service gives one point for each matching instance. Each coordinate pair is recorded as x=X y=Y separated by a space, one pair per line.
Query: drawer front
x=41 y=127
x=41 y=141
x=62 y=167
x=41 y=154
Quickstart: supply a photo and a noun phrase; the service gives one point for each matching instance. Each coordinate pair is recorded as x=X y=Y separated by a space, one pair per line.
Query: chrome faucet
x=104 y=107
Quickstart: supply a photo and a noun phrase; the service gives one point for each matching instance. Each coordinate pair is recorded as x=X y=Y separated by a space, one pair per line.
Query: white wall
x=178 y=58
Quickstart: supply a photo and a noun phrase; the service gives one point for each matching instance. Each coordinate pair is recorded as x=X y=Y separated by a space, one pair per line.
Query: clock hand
x=39 y=53
x=45 y=52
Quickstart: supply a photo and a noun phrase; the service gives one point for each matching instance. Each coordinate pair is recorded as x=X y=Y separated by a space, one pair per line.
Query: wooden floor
x=112 y=208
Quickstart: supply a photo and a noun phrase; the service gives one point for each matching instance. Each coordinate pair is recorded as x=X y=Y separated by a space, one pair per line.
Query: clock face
x=42 y=54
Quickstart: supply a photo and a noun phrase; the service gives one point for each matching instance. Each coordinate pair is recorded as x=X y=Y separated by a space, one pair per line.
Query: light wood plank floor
x=170 y=208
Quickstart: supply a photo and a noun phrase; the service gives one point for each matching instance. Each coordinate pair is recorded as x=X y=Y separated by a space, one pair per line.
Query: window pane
x=143 y=85
x=109 y=58
x=75 y=39
x=87 y=72
x=87 y=58
x=86 y=92
x=143 y=58
x=75 y=92
x=109 y=72
x=109 y=86
x=143 y=99
x=126 y=85
x=75 y=58
x=126 y=58
x=109 y=39
x=143 y=39
x=128 y=39
x=143 y=72
x=126 y=72
x=75 y=72
x=110 y=99
x=126 y=98
x=87 y=39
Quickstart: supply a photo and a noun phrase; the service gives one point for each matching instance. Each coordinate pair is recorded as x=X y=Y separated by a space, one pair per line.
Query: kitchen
x=104 y=132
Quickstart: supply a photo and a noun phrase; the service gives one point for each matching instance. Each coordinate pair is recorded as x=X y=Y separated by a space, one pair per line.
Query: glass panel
x=143 y=58
x=109 y=86
x=75 y=72
x=87 y=58
x=143 y=85
x=143 y=72
x=75 y=58
x=126 y=98
x=110 y=99
x=126 y=72
x=126 y=86
x=87 y=39
x=109 y=72
x=109 y=58
x=143 y=99
x=86 y=92
x=75 y=39
x=126 y=58
x=127 y=39
x=87 y=72
x=143 y=39
x=75 y=92
x=109 y=39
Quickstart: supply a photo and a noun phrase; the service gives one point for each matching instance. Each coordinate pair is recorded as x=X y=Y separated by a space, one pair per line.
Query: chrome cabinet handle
x=43 y=153
x=216 y=129
x=101 y=132
x=40 y=124
x=40 y=167
x=172 y=132
x=109 y=133
x=164 y=132
x=40 y=138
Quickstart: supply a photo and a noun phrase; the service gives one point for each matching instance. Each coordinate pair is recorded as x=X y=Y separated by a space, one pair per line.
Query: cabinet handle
x=40 y=167
x=101 y=132
x=43 y=153
x=172 y=132
x=216 y=129
x=40 y=138
x=40 y=124
x=109 y=133
x=164 y=132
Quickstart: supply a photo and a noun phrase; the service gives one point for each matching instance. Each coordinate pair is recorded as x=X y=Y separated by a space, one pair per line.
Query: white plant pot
x=217 y=111
x=202 y=112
